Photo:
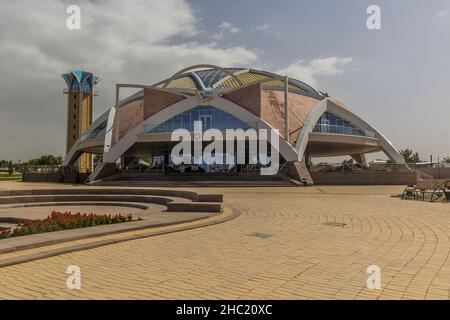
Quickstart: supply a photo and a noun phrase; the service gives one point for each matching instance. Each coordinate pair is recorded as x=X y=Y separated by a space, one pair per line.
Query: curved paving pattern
x=303 y=258
x=173 y=200
x=158 y=208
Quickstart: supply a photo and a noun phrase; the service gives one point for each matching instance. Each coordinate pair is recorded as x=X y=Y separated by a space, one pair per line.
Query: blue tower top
x=77 y=79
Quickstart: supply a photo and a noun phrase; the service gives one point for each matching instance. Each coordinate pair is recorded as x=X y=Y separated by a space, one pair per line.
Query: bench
x=435 y=188
x=447 y=190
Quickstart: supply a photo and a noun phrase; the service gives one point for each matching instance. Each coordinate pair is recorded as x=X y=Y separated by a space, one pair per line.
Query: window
x=329 y=123
x=209 y=116
x=206 y=121
x=75 y=85
x=87 y=86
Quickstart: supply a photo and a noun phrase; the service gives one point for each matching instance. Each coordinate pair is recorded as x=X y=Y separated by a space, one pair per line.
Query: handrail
x=337 y=129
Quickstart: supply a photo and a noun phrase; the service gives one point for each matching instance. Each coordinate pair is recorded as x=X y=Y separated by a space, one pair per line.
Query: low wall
x=437 y=173
x=54 y=177
x=364 y=178
x=41 y=177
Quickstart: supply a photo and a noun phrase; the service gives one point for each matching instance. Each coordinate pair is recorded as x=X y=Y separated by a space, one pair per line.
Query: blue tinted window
x=75 y=85
x=211 y=117
x=329 y=123
x=87 y=86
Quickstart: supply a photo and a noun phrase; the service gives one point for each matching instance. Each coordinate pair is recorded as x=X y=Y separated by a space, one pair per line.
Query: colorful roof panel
x=253 y=77
x=80 y=76
x=246 y=78
x=212 y=76
x=210 y=79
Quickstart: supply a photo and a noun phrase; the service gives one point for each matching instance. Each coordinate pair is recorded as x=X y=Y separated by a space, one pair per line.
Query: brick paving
x=302 y=259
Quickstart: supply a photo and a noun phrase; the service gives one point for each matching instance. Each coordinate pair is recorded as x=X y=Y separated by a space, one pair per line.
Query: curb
x=100 y=243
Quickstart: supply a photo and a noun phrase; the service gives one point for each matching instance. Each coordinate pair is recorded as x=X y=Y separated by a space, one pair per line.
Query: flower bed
x=58 y=221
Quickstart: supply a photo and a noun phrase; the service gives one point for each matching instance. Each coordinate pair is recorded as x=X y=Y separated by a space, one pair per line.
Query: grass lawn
x=4 y=176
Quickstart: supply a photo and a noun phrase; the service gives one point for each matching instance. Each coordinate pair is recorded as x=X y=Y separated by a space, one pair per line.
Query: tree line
x=45 y=160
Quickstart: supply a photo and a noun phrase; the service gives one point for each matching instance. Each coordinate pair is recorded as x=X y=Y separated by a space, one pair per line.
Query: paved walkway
x=302 y=259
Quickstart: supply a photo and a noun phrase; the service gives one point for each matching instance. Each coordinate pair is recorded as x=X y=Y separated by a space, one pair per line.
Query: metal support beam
x=117 y=112
x=198 y=66
x=286 y=109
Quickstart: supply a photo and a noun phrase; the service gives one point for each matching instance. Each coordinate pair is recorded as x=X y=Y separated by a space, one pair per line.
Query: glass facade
x=209 y=116
x=329 y=123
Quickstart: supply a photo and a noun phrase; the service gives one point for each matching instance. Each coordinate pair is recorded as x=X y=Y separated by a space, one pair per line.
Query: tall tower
x=80 y=104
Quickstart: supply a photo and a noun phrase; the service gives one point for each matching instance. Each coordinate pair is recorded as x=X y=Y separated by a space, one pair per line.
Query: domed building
x=309 y=122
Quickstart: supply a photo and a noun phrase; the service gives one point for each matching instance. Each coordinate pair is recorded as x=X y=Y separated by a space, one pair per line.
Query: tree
x=410 y=156
x=46 y=160
x=349 y=161
x=10 y=168
x=97 y=159
x=446 y=159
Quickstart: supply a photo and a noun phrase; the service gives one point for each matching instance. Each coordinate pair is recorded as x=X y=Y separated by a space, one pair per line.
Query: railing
x=50 y=169
x=143 y=170
x=356 y=167
x=177 y=170
x=149 y=127
x=41 y=169
x=397 y=167
x=66 y=91
x=335 y=129
x=429 y=165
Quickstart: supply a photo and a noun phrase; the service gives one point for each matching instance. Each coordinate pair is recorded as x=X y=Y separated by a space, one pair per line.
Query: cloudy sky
x=397 y=78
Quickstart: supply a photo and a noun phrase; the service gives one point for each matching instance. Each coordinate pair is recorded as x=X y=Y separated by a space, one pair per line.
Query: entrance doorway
x=206 y=121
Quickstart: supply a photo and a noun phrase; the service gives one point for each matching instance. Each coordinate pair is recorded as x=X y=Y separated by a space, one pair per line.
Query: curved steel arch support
x=197 y=66
x=74 y=152
x=308 y=126
x=286 y=150
x=130 y=137
x=276 y=77
x=109 y=129
x=328 y=105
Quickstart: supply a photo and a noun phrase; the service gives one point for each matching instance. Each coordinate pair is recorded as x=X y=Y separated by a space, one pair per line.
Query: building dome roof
x=208 y=79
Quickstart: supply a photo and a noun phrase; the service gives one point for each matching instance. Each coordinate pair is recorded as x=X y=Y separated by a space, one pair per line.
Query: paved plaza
x=288 y=243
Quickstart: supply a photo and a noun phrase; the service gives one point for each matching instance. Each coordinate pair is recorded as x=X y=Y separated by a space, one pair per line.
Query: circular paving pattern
x=298 y=243
x=41 y=211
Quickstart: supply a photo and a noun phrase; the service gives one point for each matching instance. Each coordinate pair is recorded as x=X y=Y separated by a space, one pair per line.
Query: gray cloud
x=122 y=41
x=310 y=72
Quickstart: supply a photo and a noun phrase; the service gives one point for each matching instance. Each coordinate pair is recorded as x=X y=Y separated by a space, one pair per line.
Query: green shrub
x=58 y=221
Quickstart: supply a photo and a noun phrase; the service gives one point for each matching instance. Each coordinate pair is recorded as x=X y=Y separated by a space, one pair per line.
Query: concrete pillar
x=127 y=160
x=299 y=172
x=286 y=109
x=103 y=170
x=360 y=158
x=307 y=160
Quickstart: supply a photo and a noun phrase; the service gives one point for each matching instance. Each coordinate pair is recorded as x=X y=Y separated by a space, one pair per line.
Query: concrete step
x=172 y=204
x=193 y=196
x=193 y=177
x=187 y=184
x=194 y=207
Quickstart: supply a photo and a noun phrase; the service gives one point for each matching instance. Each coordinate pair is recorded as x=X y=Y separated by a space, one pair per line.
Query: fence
x=355 y=167
x=50 y=169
